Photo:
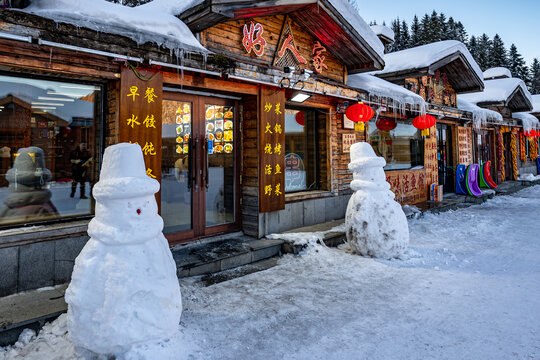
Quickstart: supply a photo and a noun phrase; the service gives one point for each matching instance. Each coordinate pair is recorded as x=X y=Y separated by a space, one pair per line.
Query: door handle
x=205 y=172
x=194 y=157
x=190 y=164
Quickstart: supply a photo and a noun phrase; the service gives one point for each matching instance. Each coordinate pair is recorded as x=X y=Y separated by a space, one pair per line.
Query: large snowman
x=124 y=290
x=376 y=224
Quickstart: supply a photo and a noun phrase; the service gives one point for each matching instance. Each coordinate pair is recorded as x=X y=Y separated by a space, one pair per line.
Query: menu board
x=271 y=150
x=219 y=128
x=465 y=154
x=141 y=113
x=183 y=127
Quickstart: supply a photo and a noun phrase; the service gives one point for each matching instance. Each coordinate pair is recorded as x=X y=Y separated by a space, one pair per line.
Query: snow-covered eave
x=528 y=120
x=481 y=117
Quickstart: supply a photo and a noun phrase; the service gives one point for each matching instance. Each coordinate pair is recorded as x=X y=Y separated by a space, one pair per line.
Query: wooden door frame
x=198 y=202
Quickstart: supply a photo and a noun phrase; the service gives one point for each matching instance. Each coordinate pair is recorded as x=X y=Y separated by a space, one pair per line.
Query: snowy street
x=468 y=288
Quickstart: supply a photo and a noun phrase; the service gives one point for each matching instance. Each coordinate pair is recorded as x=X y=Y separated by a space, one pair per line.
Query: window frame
x=101 y=123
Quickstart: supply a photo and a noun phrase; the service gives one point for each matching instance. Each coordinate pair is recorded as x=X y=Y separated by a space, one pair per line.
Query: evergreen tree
x=483 y=51
x=443 y=27
x=461 y=33
x=435 y=28
x=131 y=3
x=425 y=32
x=497 y=53
x=534 y=83
x=398 y=44
x=472 y=45
x=405 y=37
x=415 y=32
x=516 y=64
x=451 y=25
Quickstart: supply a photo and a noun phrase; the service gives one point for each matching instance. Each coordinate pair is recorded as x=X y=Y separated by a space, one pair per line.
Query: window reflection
x=48 y=147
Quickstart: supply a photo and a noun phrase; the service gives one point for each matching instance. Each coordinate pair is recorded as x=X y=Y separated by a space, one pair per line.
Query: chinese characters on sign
x=318 y=57
x=140 y=115
x=253 y=39
x=272 y=150
x=465 y=154
x=348 y=140
x=409 y=186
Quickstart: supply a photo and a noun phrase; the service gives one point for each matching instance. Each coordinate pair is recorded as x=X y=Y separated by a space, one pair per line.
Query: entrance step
x=227 y=275
x=224 y=254
x=330 y=238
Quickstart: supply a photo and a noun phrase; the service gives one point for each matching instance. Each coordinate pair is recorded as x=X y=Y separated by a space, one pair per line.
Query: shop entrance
x=445 y=157
x=508 y=171
x=483 y=148
x=199 y=166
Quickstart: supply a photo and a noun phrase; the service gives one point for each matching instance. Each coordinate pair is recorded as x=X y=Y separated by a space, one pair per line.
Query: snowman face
x=129 y=212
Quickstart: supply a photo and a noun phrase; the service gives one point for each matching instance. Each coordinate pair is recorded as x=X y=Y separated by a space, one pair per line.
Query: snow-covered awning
x=384 y=31
x=497 y=73
x=141 y=25
x=450 y=56
x=480 y=116
x=398 y=96
x=528 y=120
x=512 y=93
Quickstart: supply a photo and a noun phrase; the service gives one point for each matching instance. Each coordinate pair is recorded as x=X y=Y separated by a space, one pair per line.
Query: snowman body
x=375 y=223
x=124 y=289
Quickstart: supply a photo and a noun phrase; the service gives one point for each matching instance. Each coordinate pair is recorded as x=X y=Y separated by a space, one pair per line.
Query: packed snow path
x=468 y=288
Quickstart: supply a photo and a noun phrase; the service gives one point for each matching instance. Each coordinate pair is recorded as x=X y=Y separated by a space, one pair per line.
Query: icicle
x=205 y=59
x=182 y=69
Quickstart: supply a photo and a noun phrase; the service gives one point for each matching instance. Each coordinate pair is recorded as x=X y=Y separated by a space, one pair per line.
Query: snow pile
x=376 y=224
x=412 y=210
x=529 y=121
x=124 y=290
x=383 y=31
x=172 y=7
x=497 y=72
x=424 y=56
x=480 y=116
x=536 y=104
x=304 y=239
x=141 y=25
x=396 y=96
x=498 y=90
x=528 y=177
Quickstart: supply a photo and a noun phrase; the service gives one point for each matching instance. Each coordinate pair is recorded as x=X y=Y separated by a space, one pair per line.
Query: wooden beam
x=210 y=83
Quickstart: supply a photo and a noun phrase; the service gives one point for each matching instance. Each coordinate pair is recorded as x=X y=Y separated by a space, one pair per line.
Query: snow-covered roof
x=480 y=115
x=141 y=25
x=498 y=91
x=425 y=56
x=497 y=72
x=384 y=89
x=536 y=104
x=383 y=30
x=172 y=7
x=529 y=121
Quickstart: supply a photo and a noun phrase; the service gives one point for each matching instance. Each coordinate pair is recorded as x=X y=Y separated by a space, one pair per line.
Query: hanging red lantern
x=360 y=113
x=424 y=122
x=300 y=119
x=386 y=124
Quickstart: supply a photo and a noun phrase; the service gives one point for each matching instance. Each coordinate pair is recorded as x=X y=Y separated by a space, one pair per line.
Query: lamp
x=300 y=97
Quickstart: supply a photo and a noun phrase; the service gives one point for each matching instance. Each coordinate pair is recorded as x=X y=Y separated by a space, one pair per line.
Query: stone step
x=216 y=256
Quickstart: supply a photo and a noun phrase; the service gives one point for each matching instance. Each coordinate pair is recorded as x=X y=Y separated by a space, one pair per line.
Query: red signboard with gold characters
x=272 y=150
x=140 y=114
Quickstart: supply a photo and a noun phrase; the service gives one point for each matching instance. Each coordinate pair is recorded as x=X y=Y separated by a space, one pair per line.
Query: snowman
x=124 y=290
x=375 y=224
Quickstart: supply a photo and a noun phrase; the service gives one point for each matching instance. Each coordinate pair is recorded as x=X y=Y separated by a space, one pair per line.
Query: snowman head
x=136 y=214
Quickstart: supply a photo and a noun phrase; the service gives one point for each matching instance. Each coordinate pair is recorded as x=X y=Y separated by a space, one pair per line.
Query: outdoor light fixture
x=300 y=97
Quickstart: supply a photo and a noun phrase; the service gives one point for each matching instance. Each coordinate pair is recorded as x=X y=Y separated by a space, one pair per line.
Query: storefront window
x=402 y=147
x=49 y=133
x=305 y=150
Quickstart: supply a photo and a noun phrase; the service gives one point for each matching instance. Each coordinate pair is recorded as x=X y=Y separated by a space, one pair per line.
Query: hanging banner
x=271 y=150
x=140 y=115
x=465 y=153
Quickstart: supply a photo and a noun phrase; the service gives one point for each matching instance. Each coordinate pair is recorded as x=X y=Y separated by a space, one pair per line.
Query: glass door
x=199 y=167
x=445 y=157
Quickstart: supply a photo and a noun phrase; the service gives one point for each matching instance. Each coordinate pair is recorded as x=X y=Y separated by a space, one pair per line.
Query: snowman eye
x=129 y=205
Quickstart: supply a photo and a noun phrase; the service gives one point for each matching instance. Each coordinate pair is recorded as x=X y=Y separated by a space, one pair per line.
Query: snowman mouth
x=138 y=211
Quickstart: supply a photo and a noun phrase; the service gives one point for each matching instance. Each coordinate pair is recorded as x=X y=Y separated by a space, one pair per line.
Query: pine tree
x=461 y=33
x=443 y=27
x=415 y=32
x=435 y=28
x=516 y=64
x=497 y=53
x=405 y=37
x=398 y=44
x=425 y=32
x=452 y=35
x=534 y=73
x=472 y=45
x=483 y=51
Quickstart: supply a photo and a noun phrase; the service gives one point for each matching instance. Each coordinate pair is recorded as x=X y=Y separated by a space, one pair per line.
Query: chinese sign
x=272 y=150
x=465 y=153
x=295 y=173
x=409 y=186
x=431 y=163
x=287 y=53
x=253 y=39
x=318 y=57
x=348 y=140
x=140 y=115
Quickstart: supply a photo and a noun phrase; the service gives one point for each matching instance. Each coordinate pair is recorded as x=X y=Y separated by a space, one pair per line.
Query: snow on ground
x=467 y=288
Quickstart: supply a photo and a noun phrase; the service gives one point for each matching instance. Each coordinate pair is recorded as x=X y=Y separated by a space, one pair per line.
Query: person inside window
x=80 y=159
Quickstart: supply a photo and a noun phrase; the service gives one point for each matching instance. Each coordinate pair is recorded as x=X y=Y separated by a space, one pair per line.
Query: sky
x=517 y=23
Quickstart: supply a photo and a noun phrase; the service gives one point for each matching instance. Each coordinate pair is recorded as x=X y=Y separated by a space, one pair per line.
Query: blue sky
x=518 y=23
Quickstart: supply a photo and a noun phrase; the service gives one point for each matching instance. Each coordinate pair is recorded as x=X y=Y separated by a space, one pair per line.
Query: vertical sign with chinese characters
x=465 y=154
x=140 y=115
x=271 y=150
x=348 y=140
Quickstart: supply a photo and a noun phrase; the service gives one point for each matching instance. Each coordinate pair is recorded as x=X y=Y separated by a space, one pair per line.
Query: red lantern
x=386 y=124
x=360 y=113
x=424 y=122
x=300 y=119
